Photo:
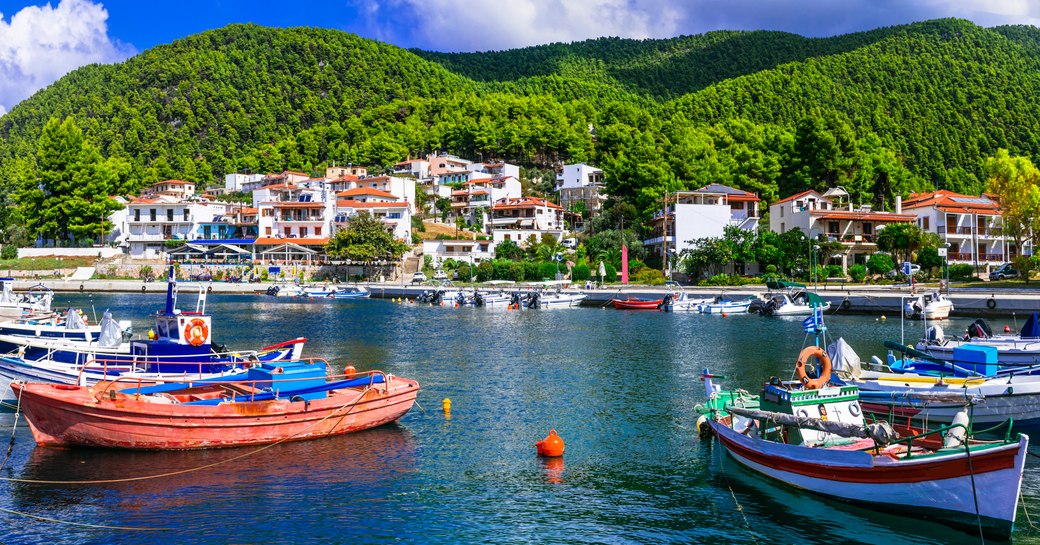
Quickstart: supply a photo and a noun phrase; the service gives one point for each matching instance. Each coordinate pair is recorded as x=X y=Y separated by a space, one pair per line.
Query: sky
x=40 y=42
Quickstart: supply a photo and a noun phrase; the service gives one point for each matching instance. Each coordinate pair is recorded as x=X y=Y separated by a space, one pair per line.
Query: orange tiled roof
x=524 y=202
x=365 y=191
x=948 y=201
x=799 y=195
x=880 y=217
x=349 y=203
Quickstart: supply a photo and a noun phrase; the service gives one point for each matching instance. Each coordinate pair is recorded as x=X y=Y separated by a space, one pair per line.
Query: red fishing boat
x=272 y=404
x=637 y=304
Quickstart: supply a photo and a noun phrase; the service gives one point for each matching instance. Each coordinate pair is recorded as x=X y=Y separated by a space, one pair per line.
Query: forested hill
x=881 y=112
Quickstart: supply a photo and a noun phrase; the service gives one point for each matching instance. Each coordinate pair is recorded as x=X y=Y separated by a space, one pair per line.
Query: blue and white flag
x=809 y=324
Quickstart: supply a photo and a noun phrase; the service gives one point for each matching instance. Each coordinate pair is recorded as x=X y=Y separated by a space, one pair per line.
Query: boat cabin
x=838 y=403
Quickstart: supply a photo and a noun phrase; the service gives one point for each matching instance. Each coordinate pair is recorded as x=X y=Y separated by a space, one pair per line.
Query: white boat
x=790 y=299
x=285 y=289
x=937 y=399
x=351 y=292
x=1021 y=350
x=318 y=291
x=929 y=306
x=723 y=305
x=554 y=299
x=13 y=305
x=70 y=326
x=679 y=300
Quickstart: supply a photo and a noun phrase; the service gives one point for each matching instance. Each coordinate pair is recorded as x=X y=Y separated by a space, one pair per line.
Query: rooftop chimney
x=899 y=204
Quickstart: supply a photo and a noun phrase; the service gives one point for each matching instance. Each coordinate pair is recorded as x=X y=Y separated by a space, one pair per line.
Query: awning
x=288 y=248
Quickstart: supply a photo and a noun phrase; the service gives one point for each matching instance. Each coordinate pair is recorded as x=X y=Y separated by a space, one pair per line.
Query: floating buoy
x=724 y=315
x=883 y=318
x=552 y=445
x=151 y=334
x=1007 y=329
x=446 y=405
x=349 y=372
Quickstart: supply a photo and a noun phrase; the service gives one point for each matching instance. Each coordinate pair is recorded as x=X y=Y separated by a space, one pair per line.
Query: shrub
x=264 y=274
x=646 y=275
x=145 y=272
x=611 y=275
x=834 y=271
x=463 y=271
x=634 y=265
x=485 y=271
x=547 y=270
x=721 y=279
x=10 y=251
x=581 y=272
x=416 y=239
x=961 y=271
x=530 y=271
x=880 y=263
x=770 y=269
x=858 y=273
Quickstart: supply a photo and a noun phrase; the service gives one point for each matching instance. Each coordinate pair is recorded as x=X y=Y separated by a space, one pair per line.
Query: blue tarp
x=1031 y=329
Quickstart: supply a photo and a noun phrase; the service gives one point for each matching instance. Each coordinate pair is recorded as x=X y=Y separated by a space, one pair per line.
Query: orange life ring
x=825 y=367
x=196 y=332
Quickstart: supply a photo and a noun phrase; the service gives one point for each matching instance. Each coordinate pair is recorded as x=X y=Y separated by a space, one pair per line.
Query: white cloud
x=474 y=25
x=42 y=43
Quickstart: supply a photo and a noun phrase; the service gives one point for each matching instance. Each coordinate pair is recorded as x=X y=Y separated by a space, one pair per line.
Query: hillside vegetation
x=882 y=113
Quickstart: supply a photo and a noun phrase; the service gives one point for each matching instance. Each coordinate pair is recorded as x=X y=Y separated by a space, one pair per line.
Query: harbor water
x=620 y=387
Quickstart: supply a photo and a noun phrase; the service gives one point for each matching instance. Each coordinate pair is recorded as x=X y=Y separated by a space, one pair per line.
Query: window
x=185 y=214
x=267 y=231
x=868 y=228
x=781 y=211
x=317 y=231
x=925 y=222
x=303 y=231
x=287 y=231
x=137 y=214
x=169 y=214
x=832 y=227
x=151 y=214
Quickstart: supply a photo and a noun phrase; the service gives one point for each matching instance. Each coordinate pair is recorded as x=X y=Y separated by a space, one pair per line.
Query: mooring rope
x=194 y=469
x=740 y=508
x=14 y=427
x=971 y=473
x=82 y=524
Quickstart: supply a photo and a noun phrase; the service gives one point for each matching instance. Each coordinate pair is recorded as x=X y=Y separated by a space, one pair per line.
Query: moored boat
x=635 y=303
x=929 y=306
x=813 y=436
x=351 y=292
x=724 y=305
x=1012 y=350
x=272 y=404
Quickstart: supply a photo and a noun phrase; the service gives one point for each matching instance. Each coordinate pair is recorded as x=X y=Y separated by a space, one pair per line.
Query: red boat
x=272 y=404
x=637 y=304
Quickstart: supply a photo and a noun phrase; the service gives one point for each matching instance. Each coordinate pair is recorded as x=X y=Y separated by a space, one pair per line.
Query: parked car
x=419 y=277
x=1006 y=270
x=569 y=243
x=894 y=273
x=440 y=275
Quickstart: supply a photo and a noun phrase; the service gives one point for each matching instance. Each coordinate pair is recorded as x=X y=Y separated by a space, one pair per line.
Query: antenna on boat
x=92 y=310
x=171 y=288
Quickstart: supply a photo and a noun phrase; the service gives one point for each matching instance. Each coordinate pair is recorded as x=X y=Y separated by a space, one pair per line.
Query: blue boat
x=350 y=292
x=181 y=342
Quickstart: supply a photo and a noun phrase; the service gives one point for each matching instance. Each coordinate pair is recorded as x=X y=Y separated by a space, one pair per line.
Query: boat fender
x=144 y=288
x=846 y=304
x=991 y=303
x=209 y=289
x=854 y=409
x=825 y=367
x=955 y=436
x=81 y=287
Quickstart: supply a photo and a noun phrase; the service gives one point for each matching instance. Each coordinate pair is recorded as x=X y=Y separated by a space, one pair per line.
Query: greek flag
x=814 y=323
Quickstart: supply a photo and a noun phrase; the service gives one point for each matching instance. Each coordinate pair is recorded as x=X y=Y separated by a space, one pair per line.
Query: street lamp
x=816 y=284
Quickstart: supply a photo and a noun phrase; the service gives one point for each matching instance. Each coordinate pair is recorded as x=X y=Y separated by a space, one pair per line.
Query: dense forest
x=883 y=112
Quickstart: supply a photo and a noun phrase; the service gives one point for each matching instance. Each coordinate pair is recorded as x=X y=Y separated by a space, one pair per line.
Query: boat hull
x=943 y=487
x=636 y=304
x=65 y=416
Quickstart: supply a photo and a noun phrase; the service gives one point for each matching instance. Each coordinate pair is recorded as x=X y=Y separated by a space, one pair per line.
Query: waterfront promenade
x=851 y=299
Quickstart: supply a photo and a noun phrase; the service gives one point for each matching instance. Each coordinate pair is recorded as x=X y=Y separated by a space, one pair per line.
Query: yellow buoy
x=446 y=405
x=151 y=334
x=883 y=318
x=702 y=426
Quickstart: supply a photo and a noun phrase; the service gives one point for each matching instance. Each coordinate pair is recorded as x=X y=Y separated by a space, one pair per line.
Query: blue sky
x=40 y=41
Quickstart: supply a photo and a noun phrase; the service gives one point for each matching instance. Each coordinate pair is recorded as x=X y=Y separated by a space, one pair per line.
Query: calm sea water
x=619 y=386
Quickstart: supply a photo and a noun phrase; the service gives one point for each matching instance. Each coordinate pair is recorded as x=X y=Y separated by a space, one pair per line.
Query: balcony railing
x=969 y=231
x=984 y=257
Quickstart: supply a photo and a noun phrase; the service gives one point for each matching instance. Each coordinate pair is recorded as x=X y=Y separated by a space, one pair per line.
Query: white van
x=569 y=243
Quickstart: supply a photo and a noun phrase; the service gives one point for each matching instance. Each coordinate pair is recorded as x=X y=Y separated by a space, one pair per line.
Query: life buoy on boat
x=846 y=304
x=991 y=303
x=825 y=367
x=196 y=332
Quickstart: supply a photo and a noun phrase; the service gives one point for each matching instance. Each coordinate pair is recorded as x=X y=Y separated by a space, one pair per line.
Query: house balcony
x=968 y=231
x=982 y=258
x=852 y=239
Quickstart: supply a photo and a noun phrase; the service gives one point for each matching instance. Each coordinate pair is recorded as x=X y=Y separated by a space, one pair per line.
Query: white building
x=178 y=189
x=518 y=218
x=833 y=217
x=237 y=182
x=703 y=213
x=972 y=226
x=581 y=183
x=151 y=221
x=470 y=251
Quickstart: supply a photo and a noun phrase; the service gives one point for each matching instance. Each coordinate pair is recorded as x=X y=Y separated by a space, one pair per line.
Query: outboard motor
x=666 y=303
x=478 y=299
x=438 y=297
x=460 y=299
x=515 y=299
x=979 y=329
x=934 y=334
x=273 y=290
x=756 y=306
x=769 y=308
x=534 y=300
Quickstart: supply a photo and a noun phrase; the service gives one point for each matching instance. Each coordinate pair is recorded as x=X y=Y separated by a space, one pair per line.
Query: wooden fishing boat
x=633 y=303
x=813 y=436
x=272 y=404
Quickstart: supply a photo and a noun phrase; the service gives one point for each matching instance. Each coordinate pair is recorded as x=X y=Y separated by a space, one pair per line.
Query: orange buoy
x=349 y=372
x=552 y=445
x=724 y=315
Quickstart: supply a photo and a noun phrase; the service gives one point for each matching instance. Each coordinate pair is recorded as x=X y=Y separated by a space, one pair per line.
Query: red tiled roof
x=280 y=186
x=524 y=202
x=295 y=173
x=173 y=182
x=798 y=196
x=948 y=201
x=273 y=241
x=363 y=204
x=366 y=191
